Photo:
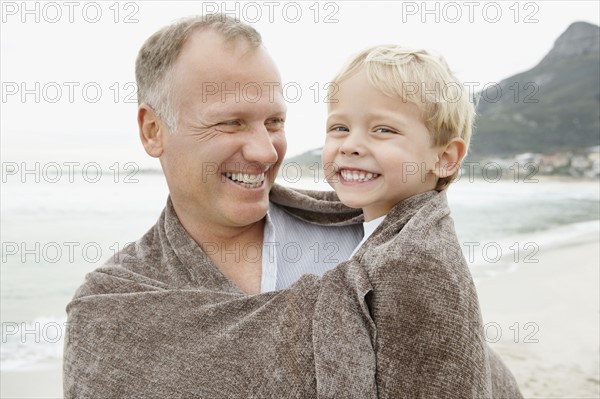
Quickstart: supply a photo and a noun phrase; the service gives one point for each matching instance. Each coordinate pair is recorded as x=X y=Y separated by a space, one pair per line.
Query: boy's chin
x=351 y=202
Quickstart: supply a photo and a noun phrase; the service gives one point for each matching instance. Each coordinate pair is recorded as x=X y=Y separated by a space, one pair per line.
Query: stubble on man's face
x=230 y=132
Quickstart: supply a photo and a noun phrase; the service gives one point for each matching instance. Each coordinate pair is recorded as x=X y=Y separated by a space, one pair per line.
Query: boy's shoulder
x=419 y=246
x=422 y=215
x=419 y=227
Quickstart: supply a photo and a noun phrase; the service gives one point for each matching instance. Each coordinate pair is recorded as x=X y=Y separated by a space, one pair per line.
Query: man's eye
x=230 y=126
x=230 y=123
x=275 y=123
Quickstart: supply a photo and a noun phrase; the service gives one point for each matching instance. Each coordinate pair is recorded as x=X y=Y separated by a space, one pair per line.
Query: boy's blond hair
x=418 y=77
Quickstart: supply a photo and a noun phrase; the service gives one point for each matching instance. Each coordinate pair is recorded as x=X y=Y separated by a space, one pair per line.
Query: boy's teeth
x=357 y=176
x=246 y=179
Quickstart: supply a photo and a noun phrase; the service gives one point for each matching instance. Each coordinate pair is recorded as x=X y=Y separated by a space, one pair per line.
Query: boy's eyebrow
x=389 y=117
x=334 y=115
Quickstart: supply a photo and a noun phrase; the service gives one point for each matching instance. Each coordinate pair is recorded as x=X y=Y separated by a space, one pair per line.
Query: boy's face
x=378 y=150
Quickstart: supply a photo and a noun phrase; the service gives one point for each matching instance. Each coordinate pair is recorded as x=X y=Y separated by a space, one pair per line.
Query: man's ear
x=151 y=130
x=450 y=157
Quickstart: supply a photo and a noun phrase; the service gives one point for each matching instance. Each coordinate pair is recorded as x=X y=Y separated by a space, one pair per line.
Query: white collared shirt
x=293 y=247
x=368 y=227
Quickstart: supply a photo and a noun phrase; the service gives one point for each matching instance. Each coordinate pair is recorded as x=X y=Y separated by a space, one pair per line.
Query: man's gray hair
x=158 y=54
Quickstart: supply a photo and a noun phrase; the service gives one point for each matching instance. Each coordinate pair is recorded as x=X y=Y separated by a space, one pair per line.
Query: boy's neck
x=373 y=212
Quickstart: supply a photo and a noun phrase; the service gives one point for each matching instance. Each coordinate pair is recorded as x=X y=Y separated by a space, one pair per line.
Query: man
x=212 y=110
x=179 y=314
x=220 y=157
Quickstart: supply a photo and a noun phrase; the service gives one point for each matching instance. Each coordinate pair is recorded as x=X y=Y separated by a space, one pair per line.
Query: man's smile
x=245 y=179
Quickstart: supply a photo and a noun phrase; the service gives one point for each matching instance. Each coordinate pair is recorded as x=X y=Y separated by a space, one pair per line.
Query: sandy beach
x=542 y=318
x=37 y=384
x=554 y=350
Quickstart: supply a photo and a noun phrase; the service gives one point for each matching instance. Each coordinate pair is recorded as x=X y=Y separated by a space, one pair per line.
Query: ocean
x=58 y=228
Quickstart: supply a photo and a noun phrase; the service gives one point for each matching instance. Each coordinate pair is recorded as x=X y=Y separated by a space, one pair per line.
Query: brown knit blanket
x=400 y=319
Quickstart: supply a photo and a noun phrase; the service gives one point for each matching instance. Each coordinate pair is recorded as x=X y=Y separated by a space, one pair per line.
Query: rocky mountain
x=553 y=107
x=580 y=39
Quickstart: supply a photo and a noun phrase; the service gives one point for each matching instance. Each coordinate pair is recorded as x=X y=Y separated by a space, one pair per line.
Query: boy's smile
x=352 y=176
x=378 y=150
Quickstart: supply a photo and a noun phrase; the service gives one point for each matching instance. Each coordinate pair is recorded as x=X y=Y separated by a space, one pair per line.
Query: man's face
x=221 y=162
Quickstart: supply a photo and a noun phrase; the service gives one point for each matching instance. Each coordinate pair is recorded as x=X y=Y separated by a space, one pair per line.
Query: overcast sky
x=73 y=49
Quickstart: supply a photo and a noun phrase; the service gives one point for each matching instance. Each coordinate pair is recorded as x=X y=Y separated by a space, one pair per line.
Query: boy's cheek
x=328 y=152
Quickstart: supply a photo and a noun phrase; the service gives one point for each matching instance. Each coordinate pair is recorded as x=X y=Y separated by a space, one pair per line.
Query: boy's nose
x=351 y=146
x=349 y=152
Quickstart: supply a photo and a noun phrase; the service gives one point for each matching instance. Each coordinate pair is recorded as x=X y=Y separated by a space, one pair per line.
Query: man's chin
x=249 y=215
x=252 y=207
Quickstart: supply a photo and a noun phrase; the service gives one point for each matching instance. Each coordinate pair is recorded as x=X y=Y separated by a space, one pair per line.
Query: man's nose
x=259 y=147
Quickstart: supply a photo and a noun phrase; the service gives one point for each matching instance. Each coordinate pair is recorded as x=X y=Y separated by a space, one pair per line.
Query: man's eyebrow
x=280 y=113
x=214 y=113
x=224 y=115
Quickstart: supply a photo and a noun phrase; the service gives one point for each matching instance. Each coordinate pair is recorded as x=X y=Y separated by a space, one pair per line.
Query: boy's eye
x=384 y=130
x=338 y=129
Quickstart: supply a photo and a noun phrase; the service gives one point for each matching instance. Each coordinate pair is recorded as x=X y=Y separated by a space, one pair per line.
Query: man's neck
x=235 y=250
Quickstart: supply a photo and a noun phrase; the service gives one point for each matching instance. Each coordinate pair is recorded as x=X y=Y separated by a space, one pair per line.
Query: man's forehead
x=237 y=90
x=205 y=47
x=209 y=58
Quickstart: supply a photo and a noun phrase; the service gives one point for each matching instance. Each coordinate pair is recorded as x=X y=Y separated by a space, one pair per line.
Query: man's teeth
x=354 y=176
x=246 y=179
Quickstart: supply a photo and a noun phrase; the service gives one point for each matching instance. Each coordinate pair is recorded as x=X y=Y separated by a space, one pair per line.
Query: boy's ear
x=151 y=130
x=450 y=157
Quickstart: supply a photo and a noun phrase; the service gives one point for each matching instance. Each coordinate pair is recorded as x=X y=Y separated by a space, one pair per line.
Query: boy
x=399 y=125
x=391 y=132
